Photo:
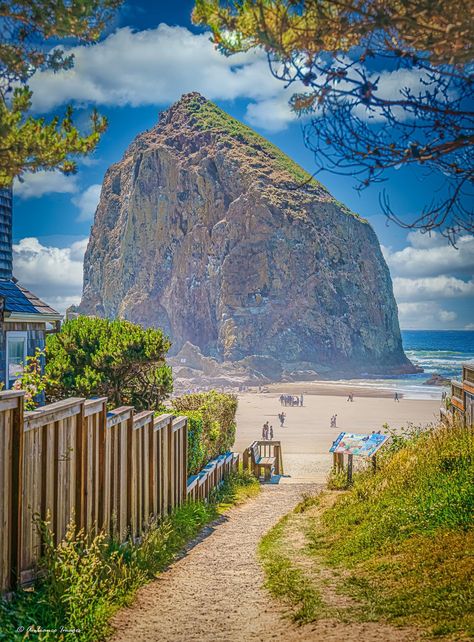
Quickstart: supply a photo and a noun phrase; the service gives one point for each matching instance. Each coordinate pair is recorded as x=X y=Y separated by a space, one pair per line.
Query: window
x=16 y=355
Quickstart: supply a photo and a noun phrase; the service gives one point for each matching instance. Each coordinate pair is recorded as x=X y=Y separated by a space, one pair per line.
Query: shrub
x=117 y=359
x=212 y=425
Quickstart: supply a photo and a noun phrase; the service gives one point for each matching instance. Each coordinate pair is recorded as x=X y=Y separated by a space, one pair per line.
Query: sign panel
x=350 y=443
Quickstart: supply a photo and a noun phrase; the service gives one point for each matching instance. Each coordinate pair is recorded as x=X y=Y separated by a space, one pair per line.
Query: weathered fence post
x=81 y=469
x=349 y=468
x=374 y=464
x=170 y=464
x=16 y=480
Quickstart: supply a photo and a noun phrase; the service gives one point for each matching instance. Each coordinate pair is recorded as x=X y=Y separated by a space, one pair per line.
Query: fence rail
x=106 y=470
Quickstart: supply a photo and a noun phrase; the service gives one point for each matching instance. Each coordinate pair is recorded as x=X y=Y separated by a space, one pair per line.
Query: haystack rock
x=210 y=232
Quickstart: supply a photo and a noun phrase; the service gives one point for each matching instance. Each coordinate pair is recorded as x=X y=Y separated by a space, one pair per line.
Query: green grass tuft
x=284 y=579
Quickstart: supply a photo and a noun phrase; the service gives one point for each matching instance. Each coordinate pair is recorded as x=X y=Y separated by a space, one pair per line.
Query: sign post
x=350 y=444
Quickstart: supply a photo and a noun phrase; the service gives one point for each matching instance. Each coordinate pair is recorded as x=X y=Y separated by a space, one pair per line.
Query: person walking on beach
x=282 y=419
x=301 y=399
x=396 y=397
x=271 y=432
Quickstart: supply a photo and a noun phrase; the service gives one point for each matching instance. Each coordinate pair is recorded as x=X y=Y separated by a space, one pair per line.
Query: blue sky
x=148 y=57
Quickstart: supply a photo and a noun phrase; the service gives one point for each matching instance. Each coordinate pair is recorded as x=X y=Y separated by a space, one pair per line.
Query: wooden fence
x=74 y=460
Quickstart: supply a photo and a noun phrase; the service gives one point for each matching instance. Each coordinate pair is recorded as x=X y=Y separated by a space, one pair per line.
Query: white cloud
x=272 y=114
x=425 y=315
x=446 y=287
x=53 y=273
x=432 y=281
x=425 y=257
x=87 y=202
x=40 y=183
x=155 y=67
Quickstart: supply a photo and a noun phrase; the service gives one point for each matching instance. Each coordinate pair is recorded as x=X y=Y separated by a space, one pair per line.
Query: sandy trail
x=215 y=591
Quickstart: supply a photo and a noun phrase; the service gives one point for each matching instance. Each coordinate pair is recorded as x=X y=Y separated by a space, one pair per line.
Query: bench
x=258 y=462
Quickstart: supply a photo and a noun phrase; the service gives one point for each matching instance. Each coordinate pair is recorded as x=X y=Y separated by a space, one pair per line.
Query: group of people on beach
x=350 y=397
x=291 y=400
x=267 y=431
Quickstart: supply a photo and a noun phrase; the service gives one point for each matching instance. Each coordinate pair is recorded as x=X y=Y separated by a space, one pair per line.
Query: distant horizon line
x=437 y=330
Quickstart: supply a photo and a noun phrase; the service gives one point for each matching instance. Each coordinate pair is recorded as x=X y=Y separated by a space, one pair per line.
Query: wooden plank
x=103 y=488
x=52 y=412
x=178 y=423
x=164 y=470
x=118 y=415
x=81 y=468
x=4 y=501
x=142 y=418
x=162 y=421
x=127 y=482
x=94 y=406
x=170 y=465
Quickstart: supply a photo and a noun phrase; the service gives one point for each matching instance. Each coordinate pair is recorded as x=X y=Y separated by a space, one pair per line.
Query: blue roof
x=19 y=299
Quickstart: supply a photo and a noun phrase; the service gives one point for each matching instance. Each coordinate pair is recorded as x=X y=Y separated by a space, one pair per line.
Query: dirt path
x=215 y=592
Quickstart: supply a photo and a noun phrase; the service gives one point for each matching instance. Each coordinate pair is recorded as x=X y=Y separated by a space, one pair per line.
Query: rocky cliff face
x=203 y=229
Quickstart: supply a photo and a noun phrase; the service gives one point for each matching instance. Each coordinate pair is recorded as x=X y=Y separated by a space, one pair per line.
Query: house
x=461 y=407
x=24 y=318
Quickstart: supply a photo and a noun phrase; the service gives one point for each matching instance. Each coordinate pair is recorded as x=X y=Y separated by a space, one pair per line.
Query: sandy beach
x=306 y=436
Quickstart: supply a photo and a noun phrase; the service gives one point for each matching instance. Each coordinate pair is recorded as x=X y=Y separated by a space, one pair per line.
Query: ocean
x=440 y=351
x=436 y=351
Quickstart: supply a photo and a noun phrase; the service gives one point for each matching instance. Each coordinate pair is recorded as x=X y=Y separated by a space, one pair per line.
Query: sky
x=147 y=58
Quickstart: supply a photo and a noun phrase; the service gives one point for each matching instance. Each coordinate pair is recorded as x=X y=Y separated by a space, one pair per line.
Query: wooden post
x=16 y=492
x=129 y=471
x=185 y=461
x=245 y=459
x=349 y=468
x=170 y=465
x=101 y=429
x=81 y=469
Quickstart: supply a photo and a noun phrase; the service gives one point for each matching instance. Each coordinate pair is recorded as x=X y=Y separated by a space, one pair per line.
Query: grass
x=87 y=579
x=285 y=579
x=211 y=118
x=399 y=542
x=260 y=154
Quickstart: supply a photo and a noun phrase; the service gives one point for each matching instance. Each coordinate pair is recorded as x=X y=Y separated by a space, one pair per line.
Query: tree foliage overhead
x=335 y=54
x=30 y=32
x=117 y=359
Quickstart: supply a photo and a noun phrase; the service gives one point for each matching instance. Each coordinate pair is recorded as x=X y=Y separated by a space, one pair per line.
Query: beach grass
x=399 y=542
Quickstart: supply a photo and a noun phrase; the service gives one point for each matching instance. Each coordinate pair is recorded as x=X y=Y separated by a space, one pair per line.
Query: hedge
x=211 y=425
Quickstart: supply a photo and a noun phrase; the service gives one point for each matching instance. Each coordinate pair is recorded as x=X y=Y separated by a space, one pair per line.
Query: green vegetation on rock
x=210 y=117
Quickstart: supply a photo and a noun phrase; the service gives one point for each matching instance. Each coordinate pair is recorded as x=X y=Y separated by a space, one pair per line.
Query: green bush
x=117 y=359
x=212 y=425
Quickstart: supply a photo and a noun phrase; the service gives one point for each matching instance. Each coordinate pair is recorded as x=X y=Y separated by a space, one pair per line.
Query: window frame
x=14 y=334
